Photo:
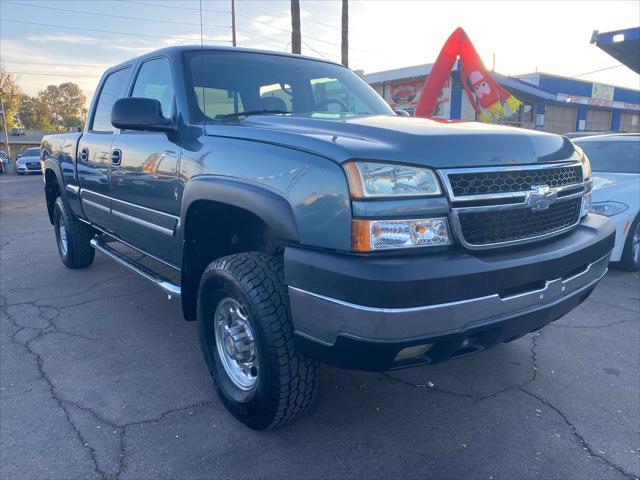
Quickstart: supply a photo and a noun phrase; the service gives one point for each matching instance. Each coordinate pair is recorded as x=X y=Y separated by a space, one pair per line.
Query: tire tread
x=80 y=253
x=295 y=380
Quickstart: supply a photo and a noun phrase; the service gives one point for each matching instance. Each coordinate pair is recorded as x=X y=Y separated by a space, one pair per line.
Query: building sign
x=597 y=102
x=602 y=92
x=405 y=93
x=405 y=96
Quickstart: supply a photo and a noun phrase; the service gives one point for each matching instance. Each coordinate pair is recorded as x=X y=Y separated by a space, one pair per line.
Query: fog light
x=371 y=235
x=413 y=352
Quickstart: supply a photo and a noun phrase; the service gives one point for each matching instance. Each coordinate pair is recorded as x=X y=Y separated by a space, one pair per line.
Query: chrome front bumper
x=323 y=319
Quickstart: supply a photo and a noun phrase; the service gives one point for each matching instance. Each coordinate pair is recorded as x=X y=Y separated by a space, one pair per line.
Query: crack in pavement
x=613 y=305
x=77 y=293
x=581 y=440
x=52 y=389
x=593 y=327
x=470 y=396
x=534 y=374
x=63 y=403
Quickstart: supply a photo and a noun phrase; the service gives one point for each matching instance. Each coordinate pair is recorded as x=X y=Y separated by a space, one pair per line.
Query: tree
x=33 y=114
x=296 y=36
x=64 y=104
x=10 y=97
x=345 y=33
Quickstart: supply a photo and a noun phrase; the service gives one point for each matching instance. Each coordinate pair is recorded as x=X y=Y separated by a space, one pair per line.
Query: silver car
x=29 y=161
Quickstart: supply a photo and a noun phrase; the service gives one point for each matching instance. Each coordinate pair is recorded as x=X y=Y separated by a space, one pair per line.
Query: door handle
x=84 y=154
x=116 y=156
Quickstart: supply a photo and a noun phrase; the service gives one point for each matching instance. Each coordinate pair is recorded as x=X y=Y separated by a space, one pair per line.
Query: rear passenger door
x=94 y=151
x=144 y=182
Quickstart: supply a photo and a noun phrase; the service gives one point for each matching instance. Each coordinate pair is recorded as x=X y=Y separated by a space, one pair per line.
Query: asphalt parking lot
x=101 y=378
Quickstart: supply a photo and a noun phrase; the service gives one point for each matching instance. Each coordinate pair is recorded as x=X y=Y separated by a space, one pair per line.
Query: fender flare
x=271 y=207
x=51 y=164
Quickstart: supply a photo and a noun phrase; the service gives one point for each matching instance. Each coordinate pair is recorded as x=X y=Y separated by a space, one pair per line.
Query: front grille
x=33 y=165
x=511 y=181
x=497 y=226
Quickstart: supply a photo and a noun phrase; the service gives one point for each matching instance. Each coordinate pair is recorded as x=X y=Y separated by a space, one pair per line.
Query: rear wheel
x=72 y=238
x=246 y=336
x=630 y=259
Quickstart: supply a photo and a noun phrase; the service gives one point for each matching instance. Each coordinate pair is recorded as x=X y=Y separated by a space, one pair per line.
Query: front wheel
x=630 y=259
x=246 y=337
x=72 y=238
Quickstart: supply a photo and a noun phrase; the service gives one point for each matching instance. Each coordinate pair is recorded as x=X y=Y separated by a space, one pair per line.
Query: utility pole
x=233 y=22
x=345 y=33
x=296 y=36
x=4 y=123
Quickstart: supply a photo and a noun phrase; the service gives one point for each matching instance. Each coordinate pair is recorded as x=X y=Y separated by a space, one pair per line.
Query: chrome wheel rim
x=62 y=238
x=635 y=245
x=235 y=344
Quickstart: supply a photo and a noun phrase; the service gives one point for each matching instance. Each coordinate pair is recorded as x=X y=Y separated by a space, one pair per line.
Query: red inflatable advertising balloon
x=489 y=100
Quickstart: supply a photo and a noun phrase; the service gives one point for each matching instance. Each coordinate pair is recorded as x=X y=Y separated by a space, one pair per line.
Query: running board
x=168 y=287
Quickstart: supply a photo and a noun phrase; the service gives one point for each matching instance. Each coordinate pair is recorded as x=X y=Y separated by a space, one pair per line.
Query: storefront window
x=521 y=118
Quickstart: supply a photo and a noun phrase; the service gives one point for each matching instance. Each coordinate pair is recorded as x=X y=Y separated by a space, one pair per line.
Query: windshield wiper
x=250 y=112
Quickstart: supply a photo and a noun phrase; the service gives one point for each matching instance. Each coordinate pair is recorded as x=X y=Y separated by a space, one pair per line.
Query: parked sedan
x=615 y=162
x=29 y=161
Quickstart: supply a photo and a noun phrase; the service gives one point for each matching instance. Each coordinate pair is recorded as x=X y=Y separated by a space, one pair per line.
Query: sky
x=46 y=42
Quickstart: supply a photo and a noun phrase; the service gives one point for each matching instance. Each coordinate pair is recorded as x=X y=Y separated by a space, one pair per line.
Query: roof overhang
x=623 y=45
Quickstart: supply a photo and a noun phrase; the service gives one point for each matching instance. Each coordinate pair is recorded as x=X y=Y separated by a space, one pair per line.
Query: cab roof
x=177 y=50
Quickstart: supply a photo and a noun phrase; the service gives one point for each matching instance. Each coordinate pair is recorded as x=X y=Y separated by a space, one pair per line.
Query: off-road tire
x=80 y=253
x=626 y=260
x=287 y=382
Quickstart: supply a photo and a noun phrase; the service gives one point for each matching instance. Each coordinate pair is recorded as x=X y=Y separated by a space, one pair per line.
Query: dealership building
x=549 y=102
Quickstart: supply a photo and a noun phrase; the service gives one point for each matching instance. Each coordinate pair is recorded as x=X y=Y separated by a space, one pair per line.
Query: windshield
x=31 y=152
x=226 y=84
x=617 y=156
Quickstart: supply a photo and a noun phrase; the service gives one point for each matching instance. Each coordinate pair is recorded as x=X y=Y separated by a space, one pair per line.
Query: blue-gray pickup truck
x=300 y=220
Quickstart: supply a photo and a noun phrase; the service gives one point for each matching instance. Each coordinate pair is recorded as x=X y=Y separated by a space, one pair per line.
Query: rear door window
x=112 y=90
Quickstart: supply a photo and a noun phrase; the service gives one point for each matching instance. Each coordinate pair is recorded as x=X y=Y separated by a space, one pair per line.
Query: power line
x=113 y=32
x=58 y=63
x=318 y=52
x=54 y=74
x=284 y=14
x=322 y=54
x=306 y=36
x=256 y=35
x=126 y=17
x=173 y=6
x=600 y=70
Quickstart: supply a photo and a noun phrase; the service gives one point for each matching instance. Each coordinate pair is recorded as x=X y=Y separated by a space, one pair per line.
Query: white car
x=615 y=163
x=29 y=161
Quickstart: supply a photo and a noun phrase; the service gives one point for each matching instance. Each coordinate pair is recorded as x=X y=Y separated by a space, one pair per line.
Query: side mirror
x=133 y=113
x=402 y=113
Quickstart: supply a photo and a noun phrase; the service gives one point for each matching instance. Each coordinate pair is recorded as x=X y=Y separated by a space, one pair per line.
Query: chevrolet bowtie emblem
x=540 y=197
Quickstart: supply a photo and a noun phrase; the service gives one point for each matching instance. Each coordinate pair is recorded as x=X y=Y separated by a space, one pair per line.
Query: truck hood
x=402 y=139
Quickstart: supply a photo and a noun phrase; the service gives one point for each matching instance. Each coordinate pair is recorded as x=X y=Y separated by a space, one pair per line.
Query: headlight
x=586 y=165
x=609 y=209
x=369 y=235
x=375 y=180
